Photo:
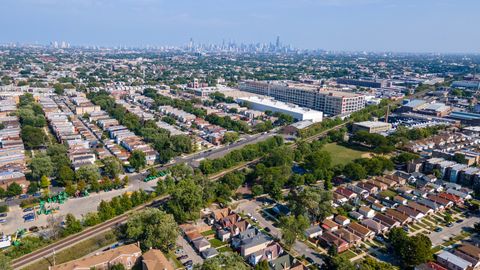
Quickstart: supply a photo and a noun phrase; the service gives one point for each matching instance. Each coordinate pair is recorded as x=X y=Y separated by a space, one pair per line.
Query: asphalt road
x=438 y=238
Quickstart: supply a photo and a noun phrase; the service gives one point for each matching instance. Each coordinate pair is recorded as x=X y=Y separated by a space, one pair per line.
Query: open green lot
x=341 y=154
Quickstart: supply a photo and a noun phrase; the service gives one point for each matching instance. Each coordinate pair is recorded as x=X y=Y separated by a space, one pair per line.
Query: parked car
x=29 y=215
x=183 y=257
x=3 y=214
x=459 y=221
x=189 y=262
x=450 y=224
x=267 y=229
x=2 y=221
x=438 y=229
x=29 y=219
x=34 y=229
x=310 y=260
x=24 y=196
x=28 y=209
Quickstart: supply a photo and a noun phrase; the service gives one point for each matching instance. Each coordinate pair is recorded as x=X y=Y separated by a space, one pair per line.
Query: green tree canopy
x=137 y=160
x=153 y=228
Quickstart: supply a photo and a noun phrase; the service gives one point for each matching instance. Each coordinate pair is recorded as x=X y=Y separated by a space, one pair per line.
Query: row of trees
x=166 y=145
x=228 y=123
x=247 y=153
x=32 y=122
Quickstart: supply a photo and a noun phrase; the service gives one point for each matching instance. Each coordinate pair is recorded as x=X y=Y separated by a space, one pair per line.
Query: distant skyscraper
x=277 y=43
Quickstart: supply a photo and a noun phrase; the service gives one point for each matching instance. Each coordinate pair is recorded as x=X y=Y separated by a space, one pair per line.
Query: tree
x=14 y=189
x=338 y=263
x=448 y=218
x=311 y=202
x=293 y=227
x=41 y=165
x=257 y=190
x=153 y=228
x=137 y=160
x=88 y=173
x=44 y=182
x=32 y=137
x=112 y=166
x=354 y=171
x=372 y=264
x=404 y=157
x=32 y=188
x=65 y=174
x=186 y=200
x=72 y=225
x=226 y=260
x=262 y=265
x=410 y=250
x=91 y=219
x=230 y=137
x=105 y=211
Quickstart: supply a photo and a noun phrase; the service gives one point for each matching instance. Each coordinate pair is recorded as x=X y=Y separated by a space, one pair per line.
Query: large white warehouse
x=268 y=104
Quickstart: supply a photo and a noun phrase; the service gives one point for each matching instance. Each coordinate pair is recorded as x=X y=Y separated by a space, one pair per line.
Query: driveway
x=189 y=251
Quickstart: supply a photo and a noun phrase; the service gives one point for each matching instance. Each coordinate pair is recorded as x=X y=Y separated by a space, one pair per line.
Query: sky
x=339 y=25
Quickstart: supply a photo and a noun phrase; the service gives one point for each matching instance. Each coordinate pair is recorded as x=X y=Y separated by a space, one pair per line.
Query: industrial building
x=371 y=126
x=267 y=104
x=307 y=95
x=363 y=83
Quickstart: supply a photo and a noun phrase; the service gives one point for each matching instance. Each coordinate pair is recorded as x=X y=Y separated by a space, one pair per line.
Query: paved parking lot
x=438 y=238
x=76 y=206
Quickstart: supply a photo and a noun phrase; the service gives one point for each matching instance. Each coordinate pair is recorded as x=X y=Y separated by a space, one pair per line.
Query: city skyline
x=335 y=25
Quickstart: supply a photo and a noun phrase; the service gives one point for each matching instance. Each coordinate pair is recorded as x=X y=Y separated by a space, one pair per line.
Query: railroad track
x=69 y=241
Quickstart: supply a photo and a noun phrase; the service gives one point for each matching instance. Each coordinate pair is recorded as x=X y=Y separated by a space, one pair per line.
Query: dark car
x=34 y=229
x=459 y=221
x=450 y=225
x=189 y=262
x=438 y=229
x=24 y=196
x=3 y=214
x=29 y=215
x=183 y=257
x=29 y=209
x=310 y=260
x=267 y=229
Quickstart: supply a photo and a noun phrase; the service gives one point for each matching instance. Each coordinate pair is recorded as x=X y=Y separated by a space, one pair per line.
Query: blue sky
x=371 y=25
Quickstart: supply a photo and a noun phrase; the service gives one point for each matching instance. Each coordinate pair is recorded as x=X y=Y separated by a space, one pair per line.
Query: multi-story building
x=329 y=102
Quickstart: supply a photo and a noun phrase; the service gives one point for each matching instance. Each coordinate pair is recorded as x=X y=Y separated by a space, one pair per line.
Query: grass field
x=341 y=154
